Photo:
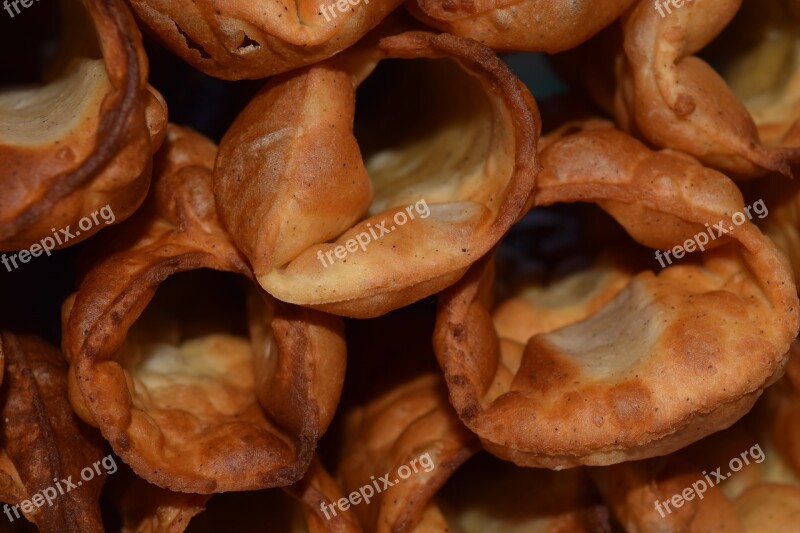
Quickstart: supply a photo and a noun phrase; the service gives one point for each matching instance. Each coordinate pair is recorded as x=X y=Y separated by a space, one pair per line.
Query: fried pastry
x=83 y=140
x=239 y=39
x=200 y=381
x=676 y=100
x=736 y=480
x=362 y=224
x=532 y=25
x=760 y=57
x=45 y=446
x=585 y=369
x=410 y=439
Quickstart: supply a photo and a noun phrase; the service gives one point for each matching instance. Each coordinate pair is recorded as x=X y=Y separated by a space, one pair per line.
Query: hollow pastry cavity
x=591 y=378
x=198 y=384
x=83 y=140
x=362 y=224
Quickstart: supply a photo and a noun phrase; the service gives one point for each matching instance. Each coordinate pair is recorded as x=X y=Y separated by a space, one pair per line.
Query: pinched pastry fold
x=533 y=25
x=411 y=440
x=45 y=446
x=676 y=100
x=245 y=39
x=83 y=140
x=586 y=369
x=361 y=226
x=194 y=389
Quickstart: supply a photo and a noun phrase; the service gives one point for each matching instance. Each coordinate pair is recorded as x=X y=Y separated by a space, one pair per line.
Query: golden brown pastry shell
x=269 y=436
x=594 y=383
x=67 y=167
x=290 y=178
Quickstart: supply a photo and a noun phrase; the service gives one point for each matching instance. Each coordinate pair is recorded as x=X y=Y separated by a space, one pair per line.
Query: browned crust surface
x=291 y=156
x=177 y=231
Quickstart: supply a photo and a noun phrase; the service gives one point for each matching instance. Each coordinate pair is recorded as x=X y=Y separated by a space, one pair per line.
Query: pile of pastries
x=271 y=333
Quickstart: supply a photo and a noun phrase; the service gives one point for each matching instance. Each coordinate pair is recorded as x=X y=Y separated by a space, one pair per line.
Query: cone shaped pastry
x=676 y=100
x=242 y=39
x=46 y=448
x=185 y=394
x=359 y=229
x=533 y=25
x=82 y=141
x=410 y=439
x=586 y=370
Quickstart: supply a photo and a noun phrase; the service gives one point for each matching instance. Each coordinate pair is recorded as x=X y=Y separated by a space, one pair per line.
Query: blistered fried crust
x=380 y=437
x=532 y=25
x=214 y=413
x=244 y=39
x=292 y=186
x=43 y=440
x=83 y=141
x=600 y=386
x=676 y=100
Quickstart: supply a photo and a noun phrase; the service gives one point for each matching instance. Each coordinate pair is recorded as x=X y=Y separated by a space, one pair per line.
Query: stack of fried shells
x=586 y=367
x=292 y=181
x=43 y=441
x=535 y=25
x=85 y=139
x=246 y=39
x=674 y=99
x=192 y=391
